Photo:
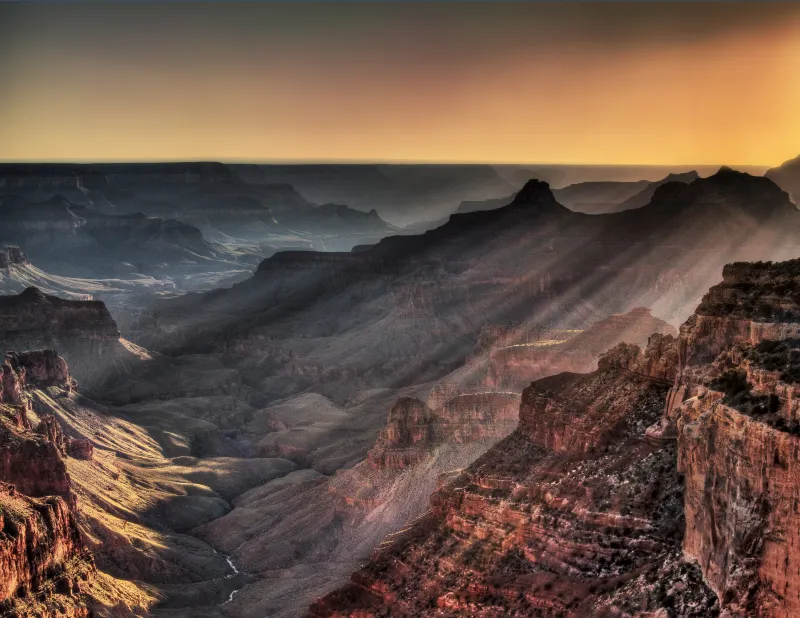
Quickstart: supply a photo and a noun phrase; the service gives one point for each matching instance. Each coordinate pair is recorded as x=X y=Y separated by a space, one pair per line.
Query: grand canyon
x=331 y=313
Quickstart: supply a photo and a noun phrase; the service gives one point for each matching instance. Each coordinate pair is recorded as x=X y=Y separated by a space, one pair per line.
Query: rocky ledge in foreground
x=45 y=568
x=663 y=484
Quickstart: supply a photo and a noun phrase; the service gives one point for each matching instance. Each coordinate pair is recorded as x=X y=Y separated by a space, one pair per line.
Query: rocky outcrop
x=80 y=448
x=41 y=368
x=83 y=331
x=413 y=430
x=32 y=458
x=45 y=569
x=738 y=439
x=574 y=514
x=742 y=490
x=12 y=255
x=35 y=315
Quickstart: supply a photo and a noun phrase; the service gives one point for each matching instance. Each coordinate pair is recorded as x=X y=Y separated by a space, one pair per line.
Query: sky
x=501 y=82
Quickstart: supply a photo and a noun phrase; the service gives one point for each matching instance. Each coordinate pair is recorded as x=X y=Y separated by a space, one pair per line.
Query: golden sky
x=647 y=83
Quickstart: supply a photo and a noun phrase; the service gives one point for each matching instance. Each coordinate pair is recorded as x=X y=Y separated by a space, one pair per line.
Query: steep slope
x=124 y=502
x=83 y=331
x=661 y=484
x=48 y=568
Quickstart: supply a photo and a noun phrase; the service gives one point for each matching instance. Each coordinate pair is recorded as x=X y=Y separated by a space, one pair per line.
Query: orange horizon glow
x=361 y=92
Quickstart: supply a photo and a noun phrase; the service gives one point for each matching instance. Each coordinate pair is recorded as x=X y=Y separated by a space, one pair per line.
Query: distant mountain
x=409 y=308
x=594 y=197
x=210 y=196
x=645 y=195
x=72 y=240
x=598 y=197
x=787 y=177
x=478 y=205
x=401 y=193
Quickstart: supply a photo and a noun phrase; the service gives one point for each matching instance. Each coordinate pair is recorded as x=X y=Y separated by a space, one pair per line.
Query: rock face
x=560 y=518
x=413 y=430
x=82 y=330
x=32 y=459
x=667 y=478
x=12 y=255
x=45 y=568
x=514 y=366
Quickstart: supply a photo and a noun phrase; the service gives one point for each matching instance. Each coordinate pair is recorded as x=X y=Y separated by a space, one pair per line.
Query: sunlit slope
x=21 y=276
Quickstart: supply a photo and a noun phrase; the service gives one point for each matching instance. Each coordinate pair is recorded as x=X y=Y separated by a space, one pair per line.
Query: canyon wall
x=45 y=568
x=668 y=478
x=83 y=331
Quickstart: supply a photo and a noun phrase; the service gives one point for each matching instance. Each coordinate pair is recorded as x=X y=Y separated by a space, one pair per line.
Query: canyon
x=662 y=483
x=241 y=452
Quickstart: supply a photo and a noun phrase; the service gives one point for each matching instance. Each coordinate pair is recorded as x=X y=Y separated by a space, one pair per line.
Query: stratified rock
x=45 y=569
x=32 y=459
x=668 y=478
x=42 y=368
x=82 y=331
x=575 y=514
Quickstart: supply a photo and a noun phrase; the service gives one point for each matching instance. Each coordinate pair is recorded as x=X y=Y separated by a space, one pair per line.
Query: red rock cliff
x=45 y=570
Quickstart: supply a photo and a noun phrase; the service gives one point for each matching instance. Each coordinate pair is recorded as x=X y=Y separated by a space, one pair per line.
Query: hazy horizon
x=457 y=82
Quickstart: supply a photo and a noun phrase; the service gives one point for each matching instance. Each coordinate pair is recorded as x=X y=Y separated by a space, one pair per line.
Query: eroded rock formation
x=664 y=483
x=45 y=568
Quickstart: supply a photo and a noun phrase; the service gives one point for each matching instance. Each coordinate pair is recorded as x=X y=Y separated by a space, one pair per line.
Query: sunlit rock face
x=32 y=458
x=46 y=569
x=738 y=439
x=563 y=517
x=667 y=478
